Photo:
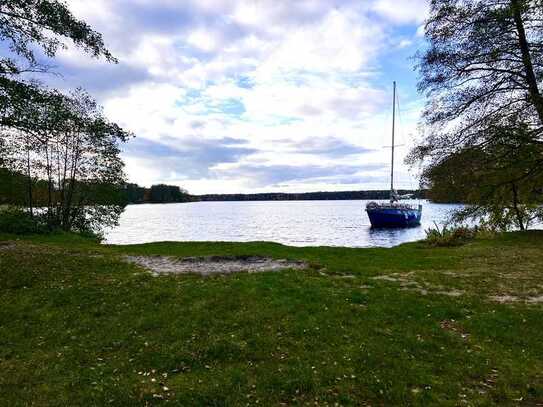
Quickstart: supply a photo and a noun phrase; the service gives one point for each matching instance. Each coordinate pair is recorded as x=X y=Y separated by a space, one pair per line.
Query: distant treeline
x=160 y=193
x=308 y=196
x=169 y=193
x=13 y=190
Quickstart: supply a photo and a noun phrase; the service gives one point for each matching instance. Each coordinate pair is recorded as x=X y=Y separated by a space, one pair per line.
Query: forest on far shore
x=161 y=193
x=14 y=188
x=309 y=196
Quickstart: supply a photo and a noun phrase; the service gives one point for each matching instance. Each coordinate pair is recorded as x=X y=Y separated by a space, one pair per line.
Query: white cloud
x=203 y=40
x=420 y=31
x=260 y=72
x=341 y=42
x=403 y=12
x=404 y=43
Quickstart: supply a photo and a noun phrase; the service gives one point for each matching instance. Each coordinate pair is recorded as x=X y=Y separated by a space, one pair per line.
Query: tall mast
x=393 y=126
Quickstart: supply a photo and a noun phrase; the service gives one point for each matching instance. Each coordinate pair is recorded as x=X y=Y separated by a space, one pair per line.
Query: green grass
x=78 y=326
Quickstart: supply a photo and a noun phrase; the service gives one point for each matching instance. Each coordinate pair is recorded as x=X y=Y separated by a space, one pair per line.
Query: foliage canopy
x=59 y=141
x=484 y=118
x=25 y=24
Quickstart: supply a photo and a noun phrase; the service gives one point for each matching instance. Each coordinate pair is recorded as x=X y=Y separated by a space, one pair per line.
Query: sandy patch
x=509 y=299
x=213 y=264
x=387 y=278
x=7 y=246
x=422 y=288
x=504 y=298
x=432 y=290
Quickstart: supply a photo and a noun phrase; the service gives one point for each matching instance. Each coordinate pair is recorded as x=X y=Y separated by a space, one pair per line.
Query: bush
x=454 y=236
x=98 y=237
x=18 y=221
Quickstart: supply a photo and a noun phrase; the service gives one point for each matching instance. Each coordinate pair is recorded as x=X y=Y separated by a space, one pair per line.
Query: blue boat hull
x=394 y=217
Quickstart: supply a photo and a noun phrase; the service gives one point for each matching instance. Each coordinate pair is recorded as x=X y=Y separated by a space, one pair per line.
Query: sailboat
x=393 y=214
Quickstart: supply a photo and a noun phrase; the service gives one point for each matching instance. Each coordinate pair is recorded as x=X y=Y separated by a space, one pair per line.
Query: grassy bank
x=409 y=325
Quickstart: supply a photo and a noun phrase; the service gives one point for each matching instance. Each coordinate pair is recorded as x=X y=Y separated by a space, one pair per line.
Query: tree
x=25 y=24
x=481 y=74
x=483 y=64
x=74 y=149
x=66 y=151
x=134 y=193
x=491 y=181
x=29 y=25
x=12 y=188
x=162 y=193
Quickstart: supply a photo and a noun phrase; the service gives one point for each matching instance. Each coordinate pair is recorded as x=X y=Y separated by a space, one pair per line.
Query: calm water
x=295 y=223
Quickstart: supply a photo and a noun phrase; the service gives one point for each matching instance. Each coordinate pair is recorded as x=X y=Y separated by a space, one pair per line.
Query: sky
x=238 y=96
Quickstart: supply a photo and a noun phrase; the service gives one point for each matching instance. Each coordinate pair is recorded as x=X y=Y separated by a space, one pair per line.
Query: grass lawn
x=411 y=325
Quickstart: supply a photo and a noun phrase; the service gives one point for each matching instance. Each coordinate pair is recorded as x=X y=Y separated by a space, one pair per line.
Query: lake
x=295 y=223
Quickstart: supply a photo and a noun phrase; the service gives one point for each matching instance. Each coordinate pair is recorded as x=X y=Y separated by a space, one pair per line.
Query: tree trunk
x=72 y=184
x=29 y=176
x=520 y=218
x=537 y=100
x=64 y=175
x=49 y=186
x=59 y=197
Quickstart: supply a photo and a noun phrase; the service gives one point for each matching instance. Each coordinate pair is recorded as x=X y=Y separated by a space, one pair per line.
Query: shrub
x=98 y=237
x=18 y=221
x=450 y=236
x=485 y=231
